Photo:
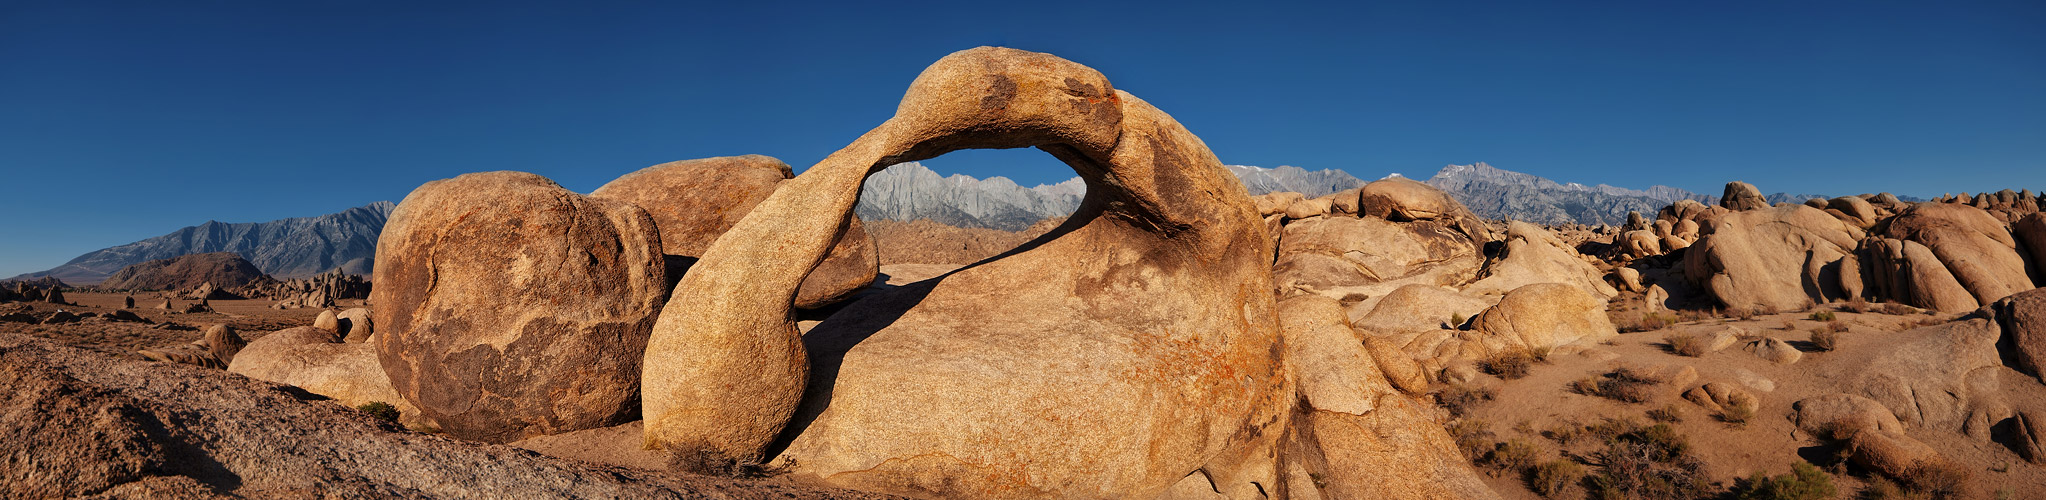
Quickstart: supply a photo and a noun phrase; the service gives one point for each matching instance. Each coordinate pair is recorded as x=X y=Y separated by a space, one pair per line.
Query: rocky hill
x=294 y=247
x=222 y=269
x=1495 y=193
x=1315 y=183
x=911 y=191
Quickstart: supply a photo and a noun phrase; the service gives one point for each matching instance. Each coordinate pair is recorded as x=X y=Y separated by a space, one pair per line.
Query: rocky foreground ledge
x=79 y=423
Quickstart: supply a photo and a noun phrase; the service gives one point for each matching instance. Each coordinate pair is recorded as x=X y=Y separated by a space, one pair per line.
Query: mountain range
x=305 y=246
x=285 y=248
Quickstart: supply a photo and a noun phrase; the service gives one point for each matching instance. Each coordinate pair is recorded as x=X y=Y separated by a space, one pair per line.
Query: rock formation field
x=724 y=328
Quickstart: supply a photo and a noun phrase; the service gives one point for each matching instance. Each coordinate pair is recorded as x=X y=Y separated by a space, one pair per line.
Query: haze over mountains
x=306 y=246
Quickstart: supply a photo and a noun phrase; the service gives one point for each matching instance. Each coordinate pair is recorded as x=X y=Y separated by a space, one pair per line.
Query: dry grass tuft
x=1895 y=309
x=1553 y=478
x=1825 y=340
x=1667 y=413
x=1685 y=344
x=1510 y=365
x=1461 y=399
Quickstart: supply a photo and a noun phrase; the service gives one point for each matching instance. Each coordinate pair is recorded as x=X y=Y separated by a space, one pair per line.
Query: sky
x=121 y=121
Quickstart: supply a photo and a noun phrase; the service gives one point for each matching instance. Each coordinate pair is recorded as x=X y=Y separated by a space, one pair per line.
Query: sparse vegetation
x=714 y=463
x=1667 y=413
x=1821 y=316
x=1738 y=410
x=1825 y=340
x=1895 y=309
x=1514 y=456
x=1460 y=399
x=1553 y=478
x=1937 y=478
x=380 y=410
x=1685 y=344
x=1510 y=364
x=1473 y=437
x=1565 y=434
x=1456 y=320
x=1804 y=482
x=1858 y=305
x=1625 y=384
x=1648 y=322
x=1587 y=386
x=1650 y=463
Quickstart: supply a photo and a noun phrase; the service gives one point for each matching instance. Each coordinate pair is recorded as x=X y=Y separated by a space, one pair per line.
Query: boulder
x=1309 y=208
x=62 y=438
x=694 y=201
x=316 y=360
x=1741 y=196
x=2030 y=435
x=1641 y=243
x=1656 y=299
x=328 y=321
x=2030 y=232
x=1276 y=202
x=1969 y=248
x=1776 y=351
x=54 y=296
x=1534 y=255
x=1345 y=202
x=1842 y=415
x=356 y=325
x=1890 y=453
x=1546 y=315
x=1400 y=199
x=1858 y=211
x=1935 y=379
x=1338 y=256
x=1625 y=278
x=1635 y=222
x=1160 y=303
x=511 y=307
x=1720 y=397
x=1353 y=435
x=128 y=302
x=2022 y=318
x=1779 y=258
x=215 y=349
x=1419 y=307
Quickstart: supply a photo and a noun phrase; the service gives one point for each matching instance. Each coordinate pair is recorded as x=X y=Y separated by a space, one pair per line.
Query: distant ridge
x=1314 y=184
x=1496 y=193
x=286 y=248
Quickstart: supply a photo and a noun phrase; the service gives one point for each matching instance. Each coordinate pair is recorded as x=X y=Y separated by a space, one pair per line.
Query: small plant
x=1836 y=326
x=1741 y=314
x=1627 y=385
x=1649 y=322
x=1858 y=305
x=1736 y=413
x=1472 y=436
x=1895 y=309
x=1510 y=364
x=1880 y=488
x=1825 y=340
x=380 y=410
x=1685 y=344
x=1611 y=429
x=1552 y=478
x=1587 y=386
x=1804 y=482
x=714 y=463
x=1564 y=434
x=1667 y=413
x=1461 y=399
x=1821 y=316
x=1456 y=320
x=1939 y=478
x=1514 y=456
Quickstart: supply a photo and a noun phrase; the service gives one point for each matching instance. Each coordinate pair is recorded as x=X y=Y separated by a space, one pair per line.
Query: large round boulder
x=318 y=361
x=1371 y=256
x=1546 y=315
x=1534 y=255
x=695 y=201
x=508 y=307
x=1742 y=196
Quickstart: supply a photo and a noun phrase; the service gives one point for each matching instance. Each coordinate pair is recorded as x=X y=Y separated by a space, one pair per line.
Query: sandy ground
x=1770 y=442
x=251 y=318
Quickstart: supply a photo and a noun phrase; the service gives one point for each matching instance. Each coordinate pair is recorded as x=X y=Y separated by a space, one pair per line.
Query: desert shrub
x=1461 y=399
x=1836 y=326
x=1685 y=344
x=1456 y=320
x=1825 y=340
x=1895 y=309
x=1510 y=364
x=1625 y=384
x=715 y=463
x=1541 y=354
x=1737 y=414
x=380 y=410
x=1938 y=478
x=1514 y=456
x=1650 y=463
x=1766 y=310
x=1353 y=298
x=1879 y=488
x=1804 y=482
x=1553 y=478
x=1587 y=386
x=1667 y=413
x=1648 y=322
x=1857 y=304
x=1564 y=434
x=1610 y=429
x=1473 y=437
x=1821 y=316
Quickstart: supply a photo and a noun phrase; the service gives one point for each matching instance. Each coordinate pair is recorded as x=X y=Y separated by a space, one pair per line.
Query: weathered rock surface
x=79 y=423
x=511 y=307
x=315 y=359
x=1938 y=379
x=1338 y=256
x=1547 y=315
x=1778 y=258
x=1963 y=248
x=1419 y=307
x=185 y=272
x=1776 y=351
x=1534 y=255
x=1842 y=414
x=695 y=201
x=2030 y=232
x=1742 y=196
x=355 y=325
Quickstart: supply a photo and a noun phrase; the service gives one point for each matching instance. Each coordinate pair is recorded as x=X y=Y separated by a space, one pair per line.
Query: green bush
x=1821 y=316
x=381 y=410
x=1804 y=482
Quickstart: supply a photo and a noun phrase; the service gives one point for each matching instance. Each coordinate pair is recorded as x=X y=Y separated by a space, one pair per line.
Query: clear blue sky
x=125 y=120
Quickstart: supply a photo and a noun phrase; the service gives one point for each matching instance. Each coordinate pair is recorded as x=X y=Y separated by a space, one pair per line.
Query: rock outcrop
x=1779 y=258
x=1156 y=295
x=1534 y=255
x=1546 y=315
x=186 y=272
x=1953 y=258
x=695 y=201
x=1742 y=196
x=510 y=307
x=315 y=359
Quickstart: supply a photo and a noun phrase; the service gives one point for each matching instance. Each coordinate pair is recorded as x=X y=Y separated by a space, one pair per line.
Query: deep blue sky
x=122 y=121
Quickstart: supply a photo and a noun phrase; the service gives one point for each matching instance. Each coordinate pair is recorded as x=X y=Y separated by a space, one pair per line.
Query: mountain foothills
x=285 y=248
